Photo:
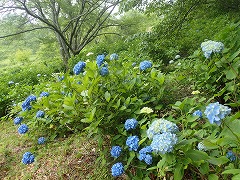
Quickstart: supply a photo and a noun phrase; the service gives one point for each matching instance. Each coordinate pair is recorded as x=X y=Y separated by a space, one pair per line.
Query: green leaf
x=160 y=78
x=218 y=161
x=237 y=177
x=132 y=155
x=234 y=55
x=212 y=177
x=107 y=96
x=179 y=172
x=230 y=74
x=196 y=155
x=231 y=171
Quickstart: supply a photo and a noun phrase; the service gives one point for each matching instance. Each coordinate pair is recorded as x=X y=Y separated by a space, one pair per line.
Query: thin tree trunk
x=64 y=50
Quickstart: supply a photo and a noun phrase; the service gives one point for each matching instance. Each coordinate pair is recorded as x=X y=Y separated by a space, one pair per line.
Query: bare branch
x=21 y=32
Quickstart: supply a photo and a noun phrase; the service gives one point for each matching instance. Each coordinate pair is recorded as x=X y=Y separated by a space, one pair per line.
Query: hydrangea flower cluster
x=104 y=71
x=17 y=120
x=146 y=110
x=26 y=105
x=44 y=94
x=117 y=169
x=163 y=143
x=209 y=47
x=130 y=124
x=231 y=156
x=132 y=143
x=116 y=151
x=28 y=158
x=113 y=56
x=23 y=129
x=145 y=65
x=143 y=155
x=100 y=60
x=40 y=114
x=197 y=113
x=160 y=126
x=41 y=140
x=79 y=67
x=201 y=147
x=215 y=112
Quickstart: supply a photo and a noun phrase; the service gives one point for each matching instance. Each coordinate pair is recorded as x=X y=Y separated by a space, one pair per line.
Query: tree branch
x=21 y=32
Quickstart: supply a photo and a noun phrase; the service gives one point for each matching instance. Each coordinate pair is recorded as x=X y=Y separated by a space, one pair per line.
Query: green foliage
x=97 y=103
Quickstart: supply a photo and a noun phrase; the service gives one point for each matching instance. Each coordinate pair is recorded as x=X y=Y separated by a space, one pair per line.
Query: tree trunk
x=64 y=50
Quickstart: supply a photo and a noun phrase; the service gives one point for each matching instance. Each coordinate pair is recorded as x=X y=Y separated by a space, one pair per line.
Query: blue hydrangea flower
x=160 y=126
x=143 y=154
x=148 y=159
x=31 y=98
x=26 y=104
x=164 y=143
x=40 y=114
x=201 y=147
x=132 y=143
x=17 y=120
x=145 y=65
x=134 y=64
x=23 y=129
x=104 y=71
x=79 y=82
x=197 y=113
x=28 y=158
x=79 y=67
x=113 y=56
x=209 y=47
x=38 y=75
x=215 y=112
x=41 y=140
x=100 y=59
x=231 y=156
x=116 y=151
x=44 y=94
x=117 y=169
x=130 y=124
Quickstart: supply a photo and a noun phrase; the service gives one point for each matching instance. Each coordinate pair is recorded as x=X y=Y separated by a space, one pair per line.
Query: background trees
x=74 y=23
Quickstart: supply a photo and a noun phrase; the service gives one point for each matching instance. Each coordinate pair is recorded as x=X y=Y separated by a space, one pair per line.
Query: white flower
x=84 y=93
x=177 y=56
x=179 y=64
x=172 y=61
x=90 y=53
x=196 y=92
x=146 y=110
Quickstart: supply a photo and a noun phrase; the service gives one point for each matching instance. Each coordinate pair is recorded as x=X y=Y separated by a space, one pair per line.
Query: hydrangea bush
x=126 y=105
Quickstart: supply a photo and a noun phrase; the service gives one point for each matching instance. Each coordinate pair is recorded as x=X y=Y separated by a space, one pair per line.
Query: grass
x=75 y=157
